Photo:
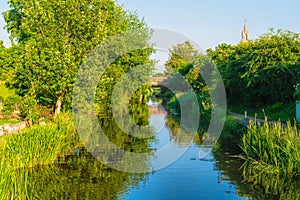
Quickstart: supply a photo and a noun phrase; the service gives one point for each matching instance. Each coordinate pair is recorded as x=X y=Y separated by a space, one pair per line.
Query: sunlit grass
x=33 y=147
x=3 y=139
x=4 y=121
x=279 y=111
x=4 y=91
x=273 y=148
x=40 y=145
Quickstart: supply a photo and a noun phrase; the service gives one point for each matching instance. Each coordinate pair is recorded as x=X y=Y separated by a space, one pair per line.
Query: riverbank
x=262 y=142
x=273 y=112
x=39 y=145
x=270 y=146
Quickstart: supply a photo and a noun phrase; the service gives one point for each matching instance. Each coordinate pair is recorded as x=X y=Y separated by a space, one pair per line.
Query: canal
x=219 y=175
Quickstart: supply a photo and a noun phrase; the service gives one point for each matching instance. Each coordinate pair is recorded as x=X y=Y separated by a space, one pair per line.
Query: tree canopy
x=262 y=71
x=54 y=36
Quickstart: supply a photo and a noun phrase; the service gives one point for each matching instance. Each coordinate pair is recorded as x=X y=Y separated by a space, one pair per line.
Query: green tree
x=54 y=37
x=122 y=65
x=191 y=64
x=5 y=62
x=180 y=58
x=262 y=71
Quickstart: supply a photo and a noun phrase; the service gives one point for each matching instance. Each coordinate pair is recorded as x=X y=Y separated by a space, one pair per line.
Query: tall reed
x=36 y=146
x=273 y=147
x=41 y=145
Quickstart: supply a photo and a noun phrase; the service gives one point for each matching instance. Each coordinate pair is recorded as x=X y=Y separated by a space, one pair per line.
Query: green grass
x=4 y=121
x=279 y=111
x=40 y=145
x=272 y=148
x=3 y=140
x=232 y=131
x=33 y=147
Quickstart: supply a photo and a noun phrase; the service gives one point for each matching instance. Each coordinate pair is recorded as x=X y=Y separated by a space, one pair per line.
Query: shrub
x=1 y=103
x=11 y=104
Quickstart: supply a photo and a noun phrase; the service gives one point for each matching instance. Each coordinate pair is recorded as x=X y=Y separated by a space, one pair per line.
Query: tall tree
x=180 y=58
x=189 y=62
x=262 y=71
x=54 y=36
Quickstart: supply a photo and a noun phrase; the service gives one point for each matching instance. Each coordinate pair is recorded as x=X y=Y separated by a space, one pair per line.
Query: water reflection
x=83 y=178
x=248 y=183
x=220 y=176
x=271 y=186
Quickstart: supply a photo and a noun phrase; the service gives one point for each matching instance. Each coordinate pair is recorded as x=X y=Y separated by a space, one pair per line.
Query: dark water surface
x=217 y=176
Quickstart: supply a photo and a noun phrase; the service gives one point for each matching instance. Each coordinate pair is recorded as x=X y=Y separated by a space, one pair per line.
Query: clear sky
x=210 y=22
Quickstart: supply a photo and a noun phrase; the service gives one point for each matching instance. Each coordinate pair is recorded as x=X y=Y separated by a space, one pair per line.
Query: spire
x=245 y=34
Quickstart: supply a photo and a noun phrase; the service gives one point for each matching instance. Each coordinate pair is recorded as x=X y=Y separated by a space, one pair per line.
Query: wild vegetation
x=272 y=148
x=50 y=40
x=41 y=145
x=185 y=60
x=261 y=77
x=260 y=72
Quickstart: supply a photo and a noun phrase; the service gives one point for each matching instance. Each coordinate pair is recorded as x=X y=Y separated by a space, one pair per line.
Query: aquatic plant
x=41 y=145
x=33 y=147
x=273 y=148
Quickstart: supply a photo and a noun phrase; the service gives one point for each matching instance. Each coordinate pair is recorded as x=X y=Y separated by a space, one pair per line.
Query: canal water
x=189 y=177
x=217 y=176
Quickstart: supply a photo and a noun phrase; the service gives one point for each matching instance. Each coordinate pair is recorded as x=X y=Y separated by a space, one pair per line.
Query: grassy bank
x=272 y=148
x=4 y=91
x=40 y=145
x=4 y=121
x=33 y=147
x=232 y=130
x=279 y=111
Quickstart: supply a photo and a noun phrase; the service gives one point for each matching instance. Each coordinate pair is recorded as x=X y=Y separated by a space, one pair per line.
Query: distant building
x=245 y=34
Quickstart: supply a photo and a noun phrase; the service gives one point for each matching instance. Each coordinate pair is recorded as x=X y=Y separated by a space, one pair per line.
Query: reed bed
x=41 y=145
x=33 y=147
x=272 y=148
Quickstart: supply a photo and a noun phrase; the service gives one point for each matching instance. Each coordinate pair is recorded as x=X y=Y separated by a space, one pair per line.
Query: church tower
x=245 y=34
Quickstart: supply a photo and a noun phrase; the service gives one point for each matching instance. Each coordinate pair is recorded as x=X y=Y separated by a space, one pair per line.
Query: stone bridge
x=157 y=110
x=156 y=81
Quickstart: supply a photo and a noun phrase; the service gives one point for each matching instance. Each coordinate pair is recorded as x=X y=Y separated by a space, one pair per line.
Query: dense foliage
x=52 y=38
x=263 y=71
x=187 y=61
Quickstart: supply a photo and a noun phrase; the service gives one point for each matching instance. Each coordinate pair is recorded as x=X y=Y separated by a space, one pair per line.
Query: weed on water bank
x=33 y=147
x=41 y=145
x=274 y=147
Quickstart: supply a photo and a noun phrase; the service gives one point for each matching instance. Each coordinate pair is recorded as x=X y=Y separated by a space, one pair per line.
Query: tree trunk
x=141 y=99
x=58 y=106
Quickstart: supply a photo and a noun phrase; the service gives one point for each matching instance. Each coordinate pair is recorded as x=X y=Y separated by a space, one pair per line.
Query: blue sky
x=210 y=22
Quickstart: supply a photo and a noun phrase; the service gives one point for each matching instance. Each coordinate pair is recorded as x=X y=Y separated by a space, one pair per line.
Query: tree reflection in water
x=248 y=182
x=84 y=177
